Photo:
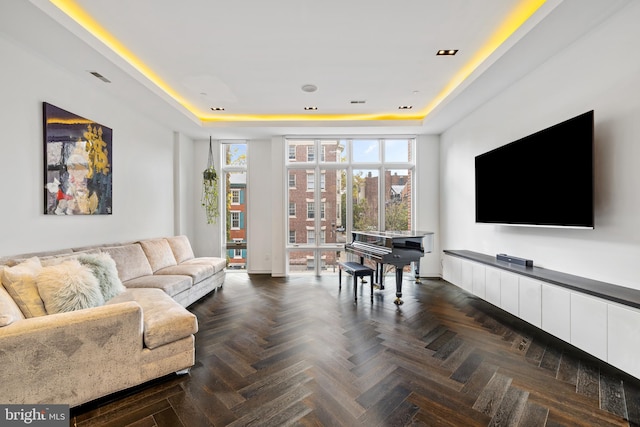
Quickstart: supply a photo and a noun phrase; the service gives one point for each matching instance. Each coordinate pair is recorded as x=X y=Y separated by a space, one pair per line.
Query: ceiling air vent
x=358 y=101
x=100 y=76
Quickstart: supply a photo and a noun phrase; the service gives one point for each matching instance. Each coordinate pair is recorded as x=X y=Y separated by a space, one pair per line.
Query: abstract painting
x=78 y=164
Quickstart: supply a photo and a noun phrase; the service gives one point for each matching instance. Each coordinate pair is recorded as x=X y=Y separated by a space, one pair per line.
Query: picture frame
x=78 y=164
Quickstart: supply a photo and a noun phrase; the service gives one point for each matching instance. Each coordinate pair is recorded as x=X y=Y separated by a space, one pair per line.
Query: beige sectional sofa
x=106 y=343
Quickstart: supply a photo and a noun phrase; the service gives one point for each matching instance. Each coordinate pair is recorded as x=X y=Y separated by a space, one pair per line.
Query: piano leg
x=380 y=275
x=416 y=270
x=398 y=300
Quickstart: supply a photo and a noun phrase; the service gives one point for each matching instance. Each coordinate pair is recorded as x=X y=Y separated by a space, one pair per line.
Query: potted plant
x=210 y=190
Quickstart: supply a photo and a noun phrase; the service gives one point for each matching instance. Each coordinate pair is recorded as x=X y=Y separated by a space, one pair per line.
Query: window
x=235 y=220
x=233 y=180
x=235 y=197
x=292 y=152
x=347 y=184
x=311 y=181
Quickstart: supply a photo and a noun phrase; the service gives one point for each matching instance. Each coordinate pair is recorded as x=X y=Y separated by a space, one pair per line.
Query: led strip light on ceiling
x=523 y=11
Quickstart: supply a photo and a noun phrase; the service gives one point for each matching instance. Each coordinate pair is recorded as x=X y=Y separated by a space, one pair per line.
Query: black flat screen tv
x=544 y=179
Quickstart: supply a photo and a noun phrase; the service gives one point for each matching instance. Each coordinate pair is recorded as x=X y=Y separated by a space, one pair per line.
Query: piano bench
x=356 y=270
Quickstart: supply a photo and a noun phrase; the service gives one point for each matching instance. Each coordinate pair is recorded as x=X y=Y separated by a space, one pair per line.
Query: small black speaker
x=515 y=260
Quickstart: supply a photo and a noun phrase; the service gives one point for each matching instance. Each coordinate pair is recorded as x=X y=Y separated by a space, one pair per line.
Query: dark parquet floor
x=299 y=352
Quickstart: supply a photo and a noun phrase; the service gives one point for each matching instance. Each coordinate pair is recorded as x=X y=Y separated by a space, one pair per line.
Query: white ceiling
x=252 y=57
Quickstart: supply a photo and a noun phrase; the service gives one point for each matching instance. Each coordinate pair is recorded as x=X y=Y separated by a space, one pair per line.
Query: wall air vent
x=100 y=76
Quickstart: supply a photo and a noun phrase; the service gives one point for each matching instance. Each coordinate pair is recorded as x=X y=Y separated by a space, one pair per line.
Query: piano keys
x=397 y=248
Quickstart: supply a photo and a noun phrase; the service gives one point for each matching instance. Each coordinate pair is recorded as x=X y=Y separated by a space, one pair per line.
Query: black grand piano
x=397 y=248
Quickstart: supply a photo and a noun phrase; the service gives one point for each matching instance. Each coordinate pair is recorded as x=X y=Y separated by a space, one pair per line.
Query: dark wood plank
x=167 y=418
x=441 y=340
x=491 y=397
x=632 y=401
x=551 y=359
x=533 y=416
x=568 y=369
x=467 y=368
x=588 y=379
x=511 y=408
x=612 y=394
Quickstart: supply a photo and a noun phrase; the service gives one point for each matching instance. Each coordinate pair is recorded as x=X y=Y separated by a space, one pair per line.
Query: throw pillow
x=19 y=281
x=9 y=311
x=68 y=286
x=104 y=269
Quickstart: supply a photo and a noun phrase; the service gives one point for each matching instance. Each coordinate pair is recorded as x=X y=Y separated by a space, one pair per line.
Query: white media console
x=600 y=318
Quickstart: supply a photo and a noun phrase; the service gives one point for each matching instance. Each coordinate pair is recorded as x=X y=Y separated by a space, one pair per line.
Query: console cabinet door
x=466 y=275
x=530 y=301
x=556 y=311
x=492 y=286
x=509 y=293
x=451 y=269
x=624 y=338
x=479 y=277
x=589 y=325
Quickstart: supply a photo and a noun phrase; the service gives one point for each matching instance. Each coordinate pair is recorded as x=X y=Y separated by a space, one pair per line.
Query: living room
x=157 y=168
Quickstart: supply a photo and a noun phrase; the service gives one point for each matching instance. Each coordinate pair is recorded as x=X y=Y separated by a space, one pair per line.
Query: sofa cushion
x=131 y=261
x=198 y=272
x=158 y=253
x=170 y=284
x=218 y=264
x=9 y=310
x=68 y=286
x=20 y=283
x=181 y=248
x=164 y=320
x=103 y=267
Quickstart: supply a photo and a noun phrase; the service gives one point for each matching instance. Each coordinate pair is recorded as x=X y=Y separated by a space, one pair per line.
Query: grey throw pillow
x=104 y=269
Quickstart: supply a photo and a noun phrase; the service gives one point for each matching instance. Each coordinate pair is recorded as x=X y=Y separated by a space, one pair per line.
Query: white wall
x=600 y=71
x=184 y=205
x=428 y=199
x=143 y=167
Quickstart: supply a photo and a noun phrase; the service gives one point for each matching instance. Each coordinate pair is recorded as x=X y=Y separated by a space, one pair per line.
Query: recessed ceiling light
x=309 y=88
x=310 y=108
x=447 y=52
x=405 y=107
x=217 y=108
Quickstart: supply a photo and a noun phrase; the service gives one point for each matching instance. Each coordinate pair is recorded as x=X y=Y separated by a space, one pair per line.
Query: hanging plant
x=210 y=190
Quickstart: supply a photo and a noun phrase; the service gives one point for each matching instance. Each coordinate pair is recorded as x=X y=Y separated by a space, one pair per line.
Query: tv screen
x=544 y=179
